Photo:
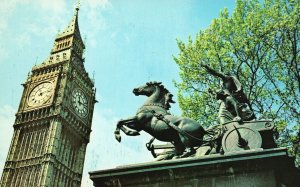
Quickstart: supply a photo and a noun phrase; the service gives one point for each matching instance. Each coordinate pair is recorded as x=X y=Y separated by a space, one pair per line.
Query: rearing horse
x=154 y=118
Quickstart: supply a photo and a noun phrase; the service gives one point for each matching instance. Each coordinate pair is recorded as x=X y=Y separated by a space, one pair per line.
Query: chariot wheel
x=241 y=138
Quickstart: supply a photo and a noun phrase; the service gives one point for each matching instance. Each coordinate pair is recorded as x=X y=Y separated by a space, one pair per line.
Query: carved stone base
x=270 y=168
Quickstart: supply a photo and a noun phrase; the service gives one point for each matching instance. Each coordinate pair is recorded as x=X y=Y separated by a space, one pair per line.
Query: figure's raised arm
x=213 y=72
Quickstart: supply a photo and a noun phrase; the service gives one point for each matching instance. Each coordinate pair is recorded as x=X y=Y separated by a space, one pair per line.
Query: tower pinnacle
x=78 y=5
x=70 y=37
x=68 y=43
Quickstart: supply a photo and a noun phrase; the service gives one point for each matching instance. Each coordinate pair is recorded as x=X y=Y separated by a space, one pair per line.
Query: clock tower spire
x=53 y=122
x=70 y=38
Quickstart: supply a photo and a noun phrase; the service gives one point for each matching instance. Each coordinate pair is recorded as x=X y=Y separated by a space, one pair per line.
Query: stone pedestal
x=265 y=168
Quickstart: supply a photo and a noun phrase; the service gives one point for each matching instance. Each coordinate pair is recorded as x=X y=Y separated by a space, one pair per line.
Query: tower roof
x=67 y=43
x=72 y=28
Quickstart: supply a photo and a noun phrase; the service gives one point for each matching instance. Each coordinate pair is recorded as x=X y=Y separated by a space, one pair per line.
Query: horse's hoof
x=118 y=137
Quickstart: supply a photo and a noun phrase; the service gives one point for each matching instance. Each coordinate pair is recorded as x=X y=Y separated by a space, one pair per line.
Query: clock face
x=40 y=94
x=79 y=102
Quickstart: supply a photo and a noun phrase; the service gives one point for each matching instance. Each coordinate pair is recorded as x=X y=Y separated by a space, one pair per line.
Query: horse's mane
x=168 y=94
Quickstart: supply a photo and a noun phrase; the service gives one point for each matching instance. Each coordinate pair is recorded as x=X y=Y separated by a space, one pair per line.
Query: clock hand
x=42 y=92
x=81 y=99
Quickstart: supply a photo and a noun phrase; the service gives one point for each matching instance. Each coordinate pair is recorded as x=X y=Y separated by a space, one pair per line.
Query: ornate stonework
x=53 y=123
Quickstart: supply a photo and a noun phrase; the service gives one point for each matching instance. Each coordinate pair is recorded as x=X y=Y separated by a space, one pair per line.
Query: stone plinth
x=265 y=168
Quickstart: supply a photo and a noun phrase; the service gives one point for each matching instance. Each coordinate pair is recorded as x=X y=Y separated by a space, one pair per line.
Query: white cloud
x=6 y=126
x=7 y=7
x=92 y=11
x=55 y=6
x=48 y=15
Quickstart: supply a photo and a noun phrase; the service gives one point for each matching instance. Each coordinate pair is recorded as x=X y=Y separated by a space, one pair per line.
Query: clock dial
x=40 y=94
x=80 y=103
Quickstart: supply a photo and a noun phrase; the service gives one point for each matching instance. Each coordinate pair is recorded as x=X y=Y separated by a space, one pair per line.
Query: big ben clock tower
x=53 y=122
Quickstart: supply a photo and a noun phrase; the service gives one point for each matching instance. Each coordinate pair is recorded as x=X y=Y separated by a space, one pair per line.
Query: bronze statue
x=234 y=102
x=188 y=136
x=154 y=118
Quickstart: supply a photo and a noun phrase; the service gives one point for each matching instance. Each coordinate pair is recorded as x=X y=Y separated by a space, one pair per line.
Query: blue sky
x=129 y=42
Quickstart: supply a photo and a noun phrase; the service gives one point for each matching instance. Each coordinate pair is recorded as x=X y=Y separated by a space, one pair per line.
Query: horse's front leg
x=123 y=124
x=129 y=132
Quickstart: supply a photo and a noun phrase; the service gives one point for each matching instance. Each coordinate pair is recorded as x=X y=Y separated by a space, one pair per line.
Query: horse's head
x=158 y=93
x=148 y=89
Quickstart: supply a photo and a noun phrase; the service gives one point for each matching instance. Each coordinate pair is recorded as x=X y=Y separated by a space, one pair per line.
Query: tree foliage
x=259 y=43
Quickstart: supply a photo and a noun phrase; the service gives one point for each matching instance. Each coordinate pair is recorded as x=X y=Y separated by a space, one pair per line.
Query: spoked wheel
x=241 y=138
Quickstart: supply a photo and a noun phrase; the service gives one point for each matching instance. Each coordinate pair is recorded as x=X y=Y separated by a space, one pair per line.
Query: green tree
x=259 y=43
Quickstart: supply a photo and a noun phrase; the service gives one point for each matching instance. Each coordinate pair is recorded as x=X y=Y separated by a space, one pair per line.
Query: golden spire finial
x=78 y=5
